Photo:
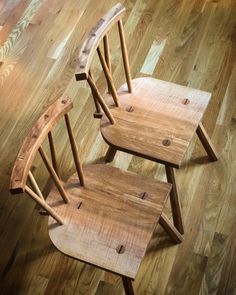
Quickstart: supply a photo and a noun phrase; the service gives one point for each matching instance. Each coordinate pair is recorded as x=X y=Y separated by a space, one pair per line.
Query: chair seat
x=112 y=218
x=157 y=120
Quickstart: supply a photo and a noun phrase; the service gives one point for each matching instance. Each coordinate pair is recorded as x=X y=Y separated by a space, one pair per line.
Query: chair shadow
x=201 y=160
x=160 y=241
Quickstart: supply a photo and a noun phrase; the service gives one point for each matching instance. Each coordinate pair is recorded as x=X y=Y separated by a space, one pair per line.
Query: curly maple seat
x=105 y=216
x=160 y=126
x=147 y=117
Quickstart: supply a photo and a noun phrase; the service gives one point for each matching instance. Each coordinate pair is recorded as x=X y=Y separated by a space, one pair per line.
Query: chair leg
x=174 y=200
x=127 y=286
x=110 y=155
x=170 y=229
x=206 y=142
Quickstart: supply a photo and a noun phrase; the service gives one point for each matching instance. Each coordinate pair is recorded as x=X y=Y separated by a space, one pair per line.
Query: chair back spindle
x=106 y=49
x=107 y=52
x=108 y=76
x=35 y=185
x=53 y=174
x=53 y=151
x=74 y=150
x=125 y=55
x=43 y=204
x=100 y=99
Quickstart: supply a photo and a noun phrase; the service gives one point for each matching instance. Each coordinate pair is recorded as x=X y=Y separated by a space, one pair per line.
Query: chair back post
x=90 y=46
x=32 y=144
x=93 y=40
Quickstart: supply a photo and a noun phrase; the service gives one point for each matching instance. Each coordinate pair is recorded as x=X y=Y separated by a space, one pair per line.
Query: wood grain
x=38 y=67
x=174 y=199
x=34 y=140
x=112 y=226
x=96 y=35
x=110 y=193
x=206 y=142
x=144 y=120
x=125 y=55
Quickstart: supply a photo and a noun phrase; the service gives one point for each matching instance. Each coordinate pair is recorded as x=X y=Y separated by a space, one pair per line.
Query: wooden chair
x=102 y=215
x=147 y=117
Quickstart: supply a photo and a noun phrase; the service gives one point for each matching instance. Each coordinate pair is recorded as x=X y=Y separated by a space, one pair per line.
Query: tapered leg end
x=170 y=229
x=110 y=155
x=207 y=143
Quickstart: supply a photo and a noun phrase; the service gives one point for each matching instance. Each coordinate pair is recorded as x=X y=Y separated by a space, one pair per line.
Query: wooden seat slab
x=106 y=222
x=158 y=119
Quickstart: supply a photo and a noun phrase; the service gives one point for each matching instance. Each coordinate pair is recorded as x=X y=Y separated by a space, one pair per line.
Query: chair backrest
x=33 y=144
x=90 y=46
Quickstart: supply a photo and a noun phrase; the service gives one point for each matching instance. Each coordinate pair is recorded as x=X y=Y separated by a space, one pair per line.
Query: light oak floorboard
x=41 y=41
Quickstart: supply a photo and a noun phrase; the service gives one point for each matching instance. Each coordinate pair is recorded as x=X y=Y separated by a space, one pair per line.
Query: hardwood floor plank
x=193 y=270
x=152 y=57
x=227 y=283
x=41 y=43
x=214 y=265
x=19 y=28
x=10 y=17
x=38 y=286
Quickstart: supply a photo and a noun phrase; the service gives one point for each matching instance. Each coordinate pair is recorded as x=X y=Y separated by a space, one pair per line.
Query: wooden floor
x=190 y=42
